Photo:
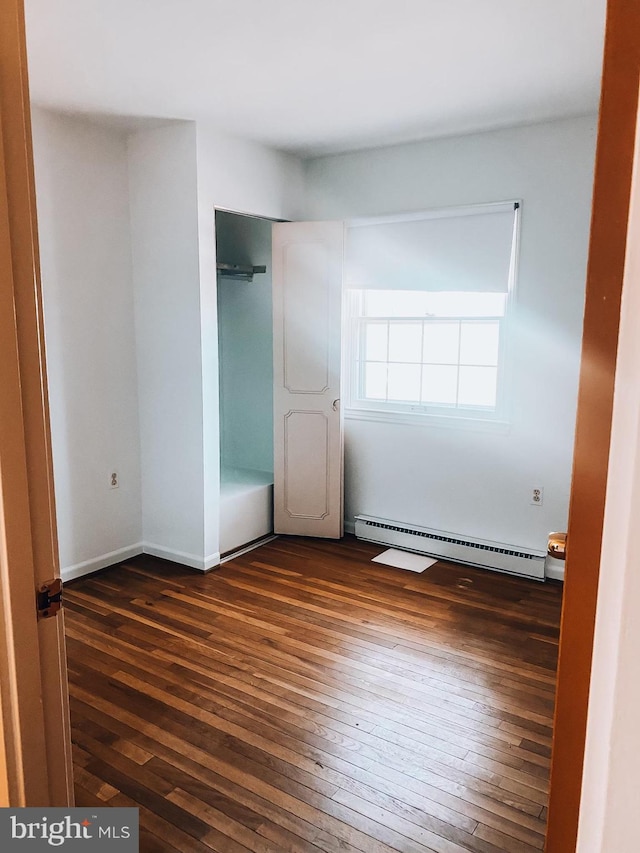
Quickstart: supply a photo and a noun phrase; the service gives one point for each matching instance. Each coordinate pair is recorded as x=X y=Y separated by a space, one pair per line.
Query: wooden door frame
x=35 y=759
x=605 y=272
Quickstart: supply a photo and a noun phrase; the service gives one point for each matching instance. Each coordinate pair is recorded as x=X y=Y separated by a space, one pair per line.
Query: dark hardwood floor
x=302 y=698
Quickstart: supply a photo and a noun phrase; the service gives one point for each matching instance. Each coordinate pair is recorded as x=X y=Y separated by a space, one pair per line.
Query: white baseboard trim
x=193 y=561
x=212 y=562
x=350 y=527
x=554 y=568
x=554 y=574
x=87 y=567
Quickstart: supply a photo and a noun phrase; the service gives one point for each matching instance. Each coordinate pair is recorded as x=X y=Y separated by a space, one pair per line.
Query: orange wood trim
x=23 y=720
x=614 y=161
x=23 y=287
x=26 y=261
x=4 y=766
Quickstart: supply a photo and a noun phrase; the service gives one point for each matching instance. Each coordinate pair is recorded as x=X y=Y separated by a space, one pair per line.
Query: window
x=420 y=352
x=432 y=351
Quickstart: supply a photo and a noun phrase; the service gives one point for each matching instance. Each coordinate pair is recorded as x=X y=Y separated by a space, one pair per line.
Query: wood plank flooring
x=302 y=698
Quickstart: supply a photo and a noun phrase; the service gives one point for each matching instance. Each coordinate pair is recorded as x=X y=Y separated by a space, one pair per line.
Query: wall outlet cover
x=537 y=496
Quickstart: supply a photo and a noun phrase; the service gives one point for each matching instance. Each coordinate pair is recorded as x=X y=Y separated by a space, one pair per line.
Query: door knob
x=336 y=405
x=557 y=545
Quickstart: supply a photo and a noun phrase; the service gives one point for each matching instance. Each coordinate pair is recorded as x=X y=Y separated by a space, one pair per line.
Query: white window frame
x=456 y=417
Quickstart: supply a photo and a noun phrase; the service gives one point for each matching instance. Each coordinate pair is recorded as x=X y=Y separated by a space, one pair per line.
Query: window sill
x=424 y=419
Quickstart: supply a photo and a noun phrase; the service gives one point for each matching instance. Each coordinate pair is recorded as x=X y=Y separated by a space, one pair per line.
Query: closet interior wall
x=245 y=341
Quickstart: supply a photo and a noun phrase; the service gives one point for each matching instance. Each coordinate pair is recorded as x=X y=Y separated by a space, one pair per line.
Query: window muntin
x=427 y=352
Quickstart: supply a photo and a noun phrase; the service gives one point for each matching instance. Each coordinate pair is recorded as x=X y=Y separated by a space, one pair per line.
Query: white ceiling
x=320 y=75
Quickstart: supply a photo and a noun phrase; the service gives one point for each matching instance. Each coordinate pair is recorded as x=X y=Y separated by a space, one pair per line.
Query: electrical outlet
x=537 y=496
x=114 y=480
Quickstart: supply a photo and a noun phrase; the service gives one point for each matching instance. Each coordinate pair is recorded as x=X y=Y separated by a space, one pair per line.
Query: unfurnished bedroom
x=313 y=283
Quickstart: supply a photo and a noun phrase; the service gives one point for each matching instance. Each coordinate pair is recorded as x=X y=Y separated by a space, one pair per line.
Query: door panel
x=306 y=318
x=308 y=435
x=36 y=764
x=302 y=430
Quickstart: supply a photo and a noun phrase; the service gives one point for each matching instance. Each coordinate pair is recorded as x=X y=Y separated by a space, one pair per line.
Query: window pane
x=395 y=303
x=428 y=349
x=376 y=341
x=477 y=386
x=375 y=381
x=405 y=342
x=439 y=384
x=404 y=382
x=441 y=343
x=479 y=343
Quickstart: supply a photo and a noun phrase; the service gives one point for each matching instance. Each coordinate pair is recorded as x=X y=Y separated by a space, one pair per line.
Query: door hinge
x=49 y=598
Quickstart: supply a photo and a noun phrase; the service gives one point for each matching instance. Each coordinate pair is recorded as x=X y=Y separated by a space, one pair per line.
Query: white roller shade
x=454 y=250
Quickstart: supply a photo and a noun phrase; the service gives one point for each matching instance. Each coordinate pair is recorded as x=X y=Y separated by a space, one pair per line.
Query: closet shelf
x=242 y=272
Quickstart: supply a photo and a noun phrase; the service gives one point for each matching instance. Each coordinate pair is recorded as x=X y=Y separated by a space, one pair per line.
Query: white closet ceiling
x=314 y=76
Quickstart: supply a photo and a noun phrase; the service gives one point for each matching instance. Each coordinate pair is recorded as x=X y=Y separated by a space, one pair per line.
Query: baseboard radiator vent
x=448 y=546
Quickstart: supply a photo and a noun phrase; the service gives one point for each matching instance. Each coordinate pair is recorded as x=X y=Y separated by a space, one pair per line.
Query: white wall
x=127 y=229
x=467 y=482
x=611 y=783
x=164 y=235
x=82 y=202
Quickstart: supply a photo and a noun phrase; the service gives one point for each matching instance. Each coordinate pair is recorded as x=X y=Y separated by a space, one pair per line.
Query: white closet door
x=308 y=436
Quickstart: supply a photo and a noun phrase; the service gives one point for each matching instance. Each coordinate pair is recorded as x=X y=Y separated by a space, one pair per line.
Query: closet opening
x=245 y=352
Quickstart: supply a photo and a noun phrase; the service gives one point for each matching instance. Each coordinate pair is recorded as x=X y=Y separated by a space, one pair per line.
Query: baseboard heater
x=449 y=546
